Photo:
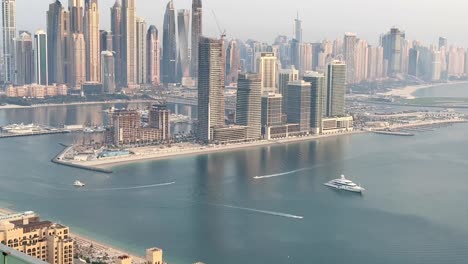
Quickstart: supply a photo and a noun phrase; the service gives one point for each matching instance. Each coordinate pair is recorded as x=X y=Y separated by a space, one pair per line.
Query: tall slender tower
x=197 y=32
x=349 y=54
x=298 y=29
x=41 y=58
x=169 y=63
x=57 y=26
x=24 y=59
x=317 y=99
x=108 y=72
x=336 y=89
x=154 y=56
x=9 y=34
x=211 y=67
x=92 y=38
x=129 y=42
x=267 y=65
x=232 y=62
x=116 y=28
x=141 y=50
x=183 y=22
x=78 y=66
x=76 y=9
x=249 y=104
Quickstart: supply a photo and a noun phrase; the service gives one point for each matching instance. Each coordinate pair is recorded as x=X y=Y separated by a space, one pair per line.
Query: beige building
x=36 y=91
x=267 y=68
x=337 y=125
x=91 y=33
x=78 y=75
x=40 y=239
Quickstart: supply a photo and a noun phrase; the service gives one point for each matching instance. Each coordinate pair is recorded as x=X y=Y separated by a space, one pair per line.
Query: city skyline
x=427 y=27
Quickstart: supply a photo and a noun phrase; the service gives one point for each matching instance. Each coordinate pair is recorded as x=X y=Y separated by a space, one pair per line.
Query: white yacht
x=78 y=184
x=345 y=184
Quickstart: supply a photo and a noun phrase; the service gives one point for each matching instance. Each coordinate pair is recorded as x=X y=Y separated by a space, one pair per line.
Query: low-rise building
x=336 y=125
x=36 y=91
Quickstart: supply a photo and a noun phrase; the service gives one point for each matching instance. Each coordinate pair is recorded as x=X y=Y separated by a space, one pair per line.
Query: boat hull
x=344 y=188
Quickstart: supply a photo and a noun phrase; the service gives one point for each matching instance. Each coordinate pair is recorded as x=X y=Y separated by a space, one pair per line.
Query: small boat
x=78 y=184
x=345 y=185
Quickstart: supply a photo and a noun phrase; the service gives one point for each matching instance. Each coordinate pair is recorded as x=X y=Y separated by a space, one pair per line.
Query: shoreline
x=83 y=240
x=407 y=92
x=75 y=103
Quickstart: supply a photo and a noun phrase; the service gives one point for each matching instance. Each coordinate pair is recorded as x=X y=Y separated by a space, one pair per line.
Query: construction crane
x=221 y=32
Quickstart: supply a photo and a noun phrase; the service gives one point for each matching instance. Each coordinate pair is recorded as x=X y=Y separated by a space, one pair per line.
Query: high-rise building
x=106 y=42
x=211 y=67
x=272 y=109
x=169 y=56
x=43 y=240
x=9 y=34
x=76 y=9
x=317 y=99
x=249 y=104
x=413 y=68
x=129 y=42
x=298 y=104
x=442 y=43
x=116 y=28
x=349 y=54
x=336 y=89
x=108 y=72
x=57 y=31
x=267 y=66
x=286 y=76
x=361 y=61
x=197 y=31
x=232 y=62
x=375 y=63
x=159 y=119
x=154 y=56
x=92 y=39
x=24 y=59
x=298 y=29
x=41 y=58
x=78 y=60
x=435 y=65
x=183 y=22
x=141 y=33
x=393 y=42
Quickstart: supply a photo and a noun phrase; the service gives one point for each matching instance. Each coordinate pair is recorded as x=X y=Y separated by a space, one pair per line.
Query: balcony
x=12 y=256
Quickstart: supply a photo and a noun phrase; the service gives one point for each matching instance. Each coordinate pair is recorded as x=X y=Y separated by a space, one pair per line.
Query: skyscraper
x=349 y=54
x=361 y=61
x=9 y=34
x=41 y=58
x=442 y=43
x=286 y=76
x=183 y=22
x=141 y=32
x=24 y=59
x=76 y=10
x=336 y=89
x=78 y=65
x=272 y=109
x=129 y=42
x=106 y=40
x=267 y=65
x=169 y=56
x=298 y=104
x=318 y=88
x=108 y=72
x=298 y=29
x=154 y=56
x=92 y=38
x=197 y=31
x=249 y=104
x=57 y=34
x=116 y=28
x=211 y=69
x=392 y=43
x=232 y=62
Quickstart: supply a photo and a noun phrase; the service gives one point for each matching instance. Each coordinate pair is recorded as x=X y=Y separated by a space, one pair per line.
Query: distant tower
x=9 y=34
x=92 y=39
x=106 y=42
x=197 y=32
x=141 y=31
x=267 y=66
x=286 y=76
x=57 y=34
x=41 y=58
x=318 y=89
x=349 y=54
x=154 y=56
x=108 y=72
x=24 y=59
x=393 y=43
x=78 y=64
x=116 y=28
x=272 y=109
x=211 y=67
x=76 y=9
x=443 y=43
x=298 y=111
x=336 y=89
x=183 y=22
x=298 y=29
x=249 y=104
x=232 y=62
x=154 y=256
x=129 y=42
x=169 y=56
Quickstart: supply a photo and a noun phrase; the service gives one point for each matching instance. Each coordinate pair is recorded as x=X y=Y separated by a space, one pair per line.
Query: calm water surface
x=414 y=211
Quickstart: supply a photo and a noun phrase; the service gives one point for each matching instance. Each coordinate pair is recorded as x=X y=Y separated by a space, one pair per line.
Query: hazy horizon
x=263 y=20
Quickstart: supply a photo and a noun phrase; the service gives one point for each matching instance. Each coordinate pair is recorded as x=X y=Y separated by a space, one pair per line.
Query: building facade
x=317 y=99
x=197 y=32
x=9 y=35
x=24 y=59
x=183 y=22
x=141 y=31
x=298 y=104
x=129 y=42
x=169 y=56
x=249 y=105
x=336 y=89
x=93 y=40
x=108 y=72
x=41 y=58
x=153 y=56
x=267 y=68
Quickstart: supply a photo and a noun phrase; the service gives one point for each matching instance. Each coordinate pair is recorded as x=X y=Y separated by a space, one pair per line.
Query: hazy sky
x=424 y=20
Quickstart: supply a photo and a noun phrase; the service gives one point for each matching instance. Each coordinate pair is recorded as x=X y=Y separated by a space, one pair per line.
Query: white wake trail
x=260 y=211
x=281 y=174
x=132 y=188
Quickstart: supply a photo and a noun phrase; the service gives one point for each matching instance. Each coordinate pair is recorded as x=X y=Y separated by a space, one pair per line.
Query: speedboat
x=78 y=184
x=345 y=185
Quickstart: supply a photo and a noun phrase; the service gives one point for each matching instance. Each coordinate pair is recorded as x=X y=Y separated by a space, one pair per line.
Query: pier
x=59 y=159
x=395 y=133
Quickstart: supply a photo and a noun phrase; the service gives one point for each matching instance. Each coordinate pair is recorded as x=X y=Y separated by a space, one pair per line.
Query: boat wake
x=259 y=211
x=130 y=188
x=281 y=174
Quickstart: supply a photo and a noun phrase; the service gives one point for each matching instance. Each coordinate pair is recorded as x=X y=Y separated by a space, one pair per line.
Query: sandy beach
x=408 y=91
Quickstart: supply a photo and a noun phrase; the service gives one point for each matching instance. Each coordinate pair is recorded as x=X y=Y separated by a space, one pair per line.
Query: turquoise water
x=454 y=90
